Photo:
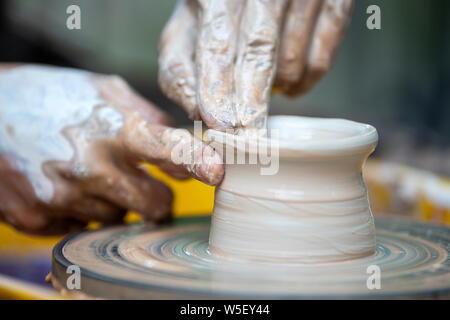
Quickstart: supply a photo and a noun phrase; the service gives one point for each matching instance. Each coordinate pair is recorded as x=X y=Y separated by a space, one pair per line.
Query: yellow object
x=399 y=189
x=16 y=243
x=191 y=197
x=11 y=288
x=426 y=208
x=380 y=197
x=276 y=90
x=446 y=218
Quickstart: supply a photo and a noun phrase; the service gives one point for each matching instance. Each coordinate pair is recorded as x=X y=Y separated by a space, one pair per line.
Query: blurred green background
x=396 y=78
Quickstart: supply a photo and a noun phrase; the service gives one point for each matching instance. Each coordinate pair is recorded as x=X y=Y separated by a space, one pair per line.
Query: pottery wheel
x=141 y=261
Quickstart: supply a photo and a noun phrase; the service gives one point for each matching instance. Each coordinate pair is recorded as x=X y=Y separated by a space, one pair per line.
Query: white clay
x=28 y=95
x=313 y=210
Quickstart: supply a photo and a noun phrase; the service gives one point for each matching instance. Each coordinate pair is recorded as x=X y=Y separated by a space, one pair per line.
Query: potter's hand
x=70 y=147
x=218 y=59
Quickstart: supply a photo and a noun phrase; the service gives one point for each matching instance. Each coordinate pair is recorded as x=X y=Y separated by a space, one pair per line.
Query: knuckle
x=78 y=171
x=75 y=171
x=217 y=35
x=260 y=43
x=262 y=36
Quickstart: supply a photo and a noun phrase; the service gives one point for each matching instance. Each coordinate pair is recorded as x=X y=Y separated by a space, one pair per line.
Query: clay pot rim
x=360 y=137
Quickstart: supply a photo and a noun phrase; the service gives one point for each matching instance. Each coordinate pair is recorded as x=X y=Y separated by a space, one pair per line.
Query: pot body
x=312 y=209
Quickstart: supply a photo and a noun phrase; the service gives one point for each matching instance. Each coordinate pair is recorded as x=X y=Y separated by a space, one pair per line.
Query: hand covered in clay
x=220 y=58
x=71 y=143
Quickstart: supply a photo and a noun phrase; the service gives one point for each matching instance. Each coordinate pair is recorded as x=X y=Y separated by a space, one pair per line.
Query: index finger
x=215 y=56
x=256 y=60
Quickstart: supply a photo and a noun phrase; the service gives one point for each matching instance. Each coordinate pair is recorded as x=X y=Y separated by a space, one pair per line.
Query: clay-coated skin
x=220 y=59
x=71 y=144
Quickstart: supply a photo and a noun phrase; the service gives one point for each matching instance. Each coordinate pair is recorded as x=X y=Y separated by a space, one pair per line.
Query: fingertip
x=213 y=174
x=211 y=169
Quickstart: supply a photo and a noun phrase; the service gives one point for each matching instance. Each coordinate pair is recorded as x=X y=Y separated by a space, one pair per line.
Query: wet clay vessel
x=311 y=207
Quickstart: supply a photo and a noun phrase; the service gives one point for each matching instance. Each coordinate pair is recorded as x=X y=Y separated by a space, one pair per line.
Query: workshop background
x=396 y=79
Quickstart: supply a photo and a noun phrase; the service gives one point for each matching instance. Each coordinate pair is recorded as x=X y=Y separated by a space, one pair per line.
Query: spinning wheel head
x=141 y=261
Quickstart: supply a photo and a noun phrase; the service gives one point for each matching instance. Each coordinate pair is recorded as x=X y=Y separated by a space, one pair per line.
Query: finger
x=301 y=17
x=174 y=149
x=145 y=195
x=325 y=42
x=176 y=75
x=159 y=204
x=95 y=209
x=105 y=192
x=256 y=57
x=215 y=55
x=59 y=226
x=37 y=221
x=70 y=200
